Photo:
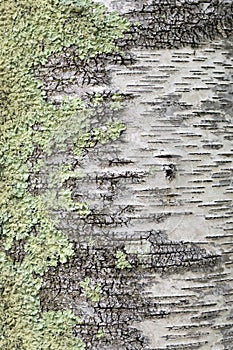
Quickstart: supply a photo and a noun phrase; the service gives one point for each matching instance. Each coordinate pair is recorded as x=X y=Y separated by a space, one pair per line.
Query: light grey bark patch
x=130 y=196
x=175 y=232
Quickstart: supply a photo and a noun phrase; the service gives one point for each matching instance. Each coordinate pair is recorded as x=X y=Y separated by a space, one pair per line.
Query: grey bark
x=162 y=193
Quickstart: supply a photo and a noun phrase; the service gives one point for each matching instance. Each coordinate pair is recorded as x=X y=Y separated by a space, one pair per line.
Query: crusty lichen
x=91 y=291
x=121 y=261
x=89 y=139
x=31 y=32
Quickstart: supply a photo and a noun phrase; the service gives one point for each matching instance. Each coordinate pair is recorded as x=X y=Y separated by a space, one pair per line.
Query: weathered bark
x=162 y=193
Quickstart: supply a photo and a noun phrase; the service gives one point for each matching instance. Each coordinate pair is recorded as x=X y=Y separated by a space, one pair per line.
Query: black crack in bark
x=119 y=221
x=121 y=301
x=173 y=24
x=67 y=74
x=17 y=251
x=154 y=25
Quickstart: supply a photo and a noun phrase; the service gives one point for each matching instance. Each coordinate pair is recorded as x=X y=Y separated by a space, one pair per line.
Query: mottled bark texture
x=161 y=194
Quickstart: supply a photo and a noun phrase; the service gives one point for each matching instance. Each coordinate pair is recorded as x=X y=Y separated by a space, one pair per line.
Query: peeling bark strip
x=153 y=262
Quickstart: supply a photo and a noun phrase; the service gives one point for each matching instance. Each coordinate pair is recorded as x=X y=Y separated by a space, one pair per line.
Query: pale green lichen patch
x=92 y=292
x=121 y=261
x=100 y=334
x=21 y=325
x=31 y=32
x=109 y=132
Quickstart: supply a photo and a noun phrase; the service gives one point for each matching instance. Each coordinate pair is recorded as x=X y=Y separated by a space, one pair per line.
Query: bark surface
x=157 y=243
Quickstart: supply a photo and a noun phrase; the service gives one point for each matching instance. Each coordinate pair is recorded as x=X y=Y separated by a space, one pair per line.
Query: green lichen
x=31 y=32
x=100 y=334
x=121 y=261
x=21 y=325
x=104 y=134
x=55 y=197
x=117 y=101
x=92 y=292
